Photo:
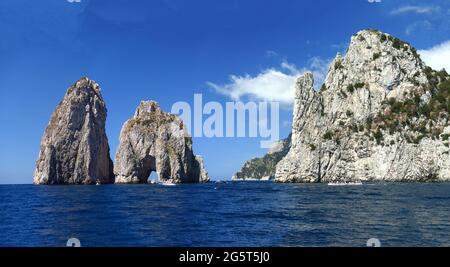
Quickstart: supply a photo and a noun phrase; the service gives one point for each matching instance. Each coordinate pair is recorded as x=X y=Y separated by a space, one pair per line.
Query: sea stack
x=74 y=148
x=381 y=115
x=156 y=141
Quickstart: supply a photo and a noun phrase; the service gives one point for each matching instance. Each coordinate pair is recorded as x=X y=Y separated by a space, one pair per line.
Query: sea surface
x=226 y=214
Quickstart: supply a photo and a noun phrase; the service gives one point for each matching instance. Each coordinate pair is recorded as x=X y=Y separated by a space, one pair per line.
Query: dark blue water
x=234 y=214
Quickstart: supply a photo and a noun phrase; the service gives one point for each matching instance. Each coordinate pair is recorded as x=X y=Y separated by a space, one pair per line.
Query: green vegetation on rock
x=258 y=168
x=418 y=114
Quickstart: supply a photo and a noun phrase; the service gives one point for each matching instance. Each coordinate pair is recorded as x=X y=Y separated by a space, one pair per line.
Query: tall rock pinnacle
x=74 y=148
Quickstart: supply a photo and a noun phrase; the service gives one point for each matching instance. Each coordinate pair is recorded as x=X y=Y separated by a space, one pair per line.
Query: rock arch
x=153 y=140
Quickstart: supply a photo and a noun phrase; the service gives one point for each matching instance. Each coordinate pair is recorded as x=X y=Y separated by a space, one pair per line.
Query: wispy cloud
x=437 y=57
x=417 y=26
x=273 y=84
x=271 y=53
x=341 y=47
x=415 y=9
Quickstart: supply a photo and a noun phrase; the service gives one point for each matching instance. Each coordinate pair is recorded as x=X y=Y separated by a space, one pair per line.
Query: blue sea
x=226 y=214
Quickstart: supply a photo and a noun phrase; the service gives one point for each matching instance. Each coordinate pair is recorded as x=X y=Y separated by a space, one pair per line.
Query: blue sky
x=167 y=50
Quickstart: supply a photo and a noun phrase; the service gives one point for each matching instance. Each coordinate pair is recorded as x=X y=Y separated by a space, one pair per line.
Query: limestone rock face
x=199 y=170
x=307 y=126
x=155 y=141
x=74 y=148
x=382 y=115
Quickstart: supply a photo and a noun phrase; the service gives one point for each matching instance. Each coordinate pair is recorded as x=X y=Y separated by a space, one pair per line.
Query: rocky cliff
x=74 y=148
x=381 y=114
x=264 y=168
x=155 y=141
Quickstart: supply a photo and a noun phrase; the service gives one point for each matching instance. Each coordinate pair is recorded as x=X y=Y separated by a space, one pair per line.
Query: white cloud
x=271 y=53
x=415 y=9
x=272 y=84
x=340 y=46
x=417 y=26
x=437 y=57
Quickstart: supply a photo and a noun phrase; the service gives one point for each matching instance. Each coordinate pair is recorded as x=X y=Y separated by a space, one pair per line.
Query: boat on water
x=168 y=183
x=345 y=183
x=97 y=182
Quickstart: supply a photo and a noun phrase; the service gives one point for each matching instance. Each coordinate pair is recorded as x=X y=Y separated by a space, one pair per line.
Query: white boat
x=168 y=183
x=345 y=183
x=98 y=183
